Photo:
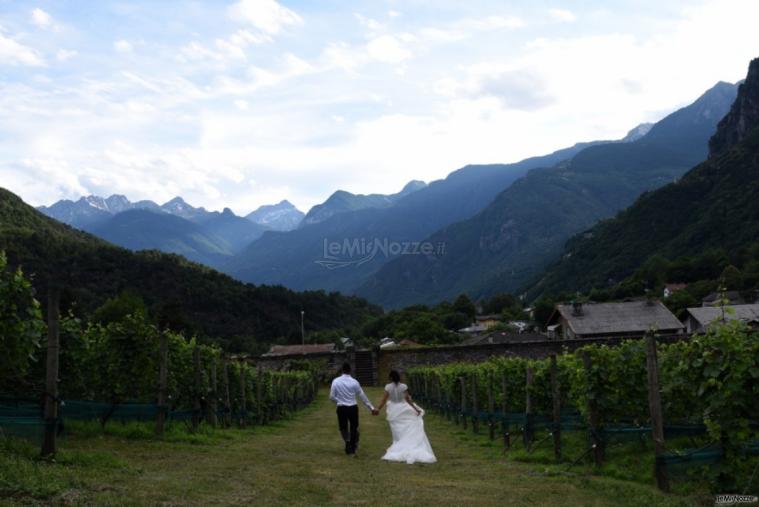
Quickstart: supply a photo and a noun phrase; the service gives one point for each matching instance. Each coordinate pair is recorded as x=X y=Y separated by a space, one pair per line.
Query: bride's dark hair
x=395 y=376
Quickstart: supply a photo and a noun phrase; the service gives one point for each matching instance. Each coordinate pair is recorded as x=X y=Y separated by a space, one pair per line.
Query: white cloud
x=63 y=55
x=562 y=15
x=123 y=46
x=15 y=53
x=41 y=18
x=388 y=49
x=266 y=15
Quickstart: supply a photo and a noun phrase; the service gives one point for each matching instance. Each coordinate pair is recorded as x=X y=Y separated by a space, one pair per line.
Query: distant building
x=487 y=321
x=731 y=297
x=699 y=319
x=386 y=343
x=671 y=288
x=599 y=320
x=291 y=350
x=473 y=329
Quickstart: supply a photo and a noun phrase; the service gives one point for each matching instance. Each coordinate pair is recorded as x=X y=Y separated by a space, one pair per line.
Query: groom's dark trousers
x=347 y=420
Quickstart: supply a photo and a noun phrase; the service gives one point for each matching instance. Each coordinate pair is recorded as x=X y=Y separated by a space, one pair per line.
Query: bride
x=406 y=421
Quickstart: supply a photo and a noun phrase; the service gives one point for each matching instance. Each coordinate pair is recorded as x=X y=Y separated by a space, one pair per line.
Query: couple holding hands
x=406 y=419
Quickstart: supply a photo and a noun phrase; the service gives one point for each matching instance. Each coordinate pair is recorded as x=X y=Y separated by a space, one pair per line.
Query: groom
x=343 y=392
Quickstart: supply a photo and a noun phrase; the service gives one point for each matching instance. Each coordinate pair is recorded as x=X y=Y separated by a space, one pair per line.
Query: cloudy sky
x=245 y=103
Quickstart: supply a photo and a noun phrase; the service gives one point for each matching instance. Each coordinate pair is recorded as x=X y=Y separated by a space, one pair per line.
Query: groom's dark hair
x=346 y=367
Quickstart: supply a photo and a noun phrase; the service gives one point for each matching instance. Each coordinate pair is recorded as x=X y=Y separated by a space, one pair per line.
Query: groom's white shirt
x=344 y=391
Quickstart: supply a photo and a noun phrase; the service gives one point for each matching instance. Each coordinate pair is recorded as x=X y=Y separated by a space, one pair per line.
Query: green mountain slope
x=180 y=293
x=714 y=205
x=525 y=227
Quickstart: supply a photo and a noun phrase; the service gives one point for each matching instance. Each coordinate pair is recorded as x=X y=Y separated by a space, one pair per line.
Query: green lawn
x=301 y=462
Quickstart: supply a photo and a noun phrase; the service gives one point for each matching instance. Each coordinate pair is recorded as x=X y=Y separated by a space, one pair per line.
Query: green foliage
x=21 y=325
x=181 y=295
x=118 y=308
x=464 y=305
x=709 y=212
x=711 y=379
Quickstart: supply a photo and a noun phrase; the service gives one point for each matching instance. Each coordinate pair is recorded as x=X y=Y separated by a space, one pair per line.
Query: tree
x=464 y=305
x=501 y=302
x=732 y=278
x=542 y=310
x=21 y=324
x=118 y=308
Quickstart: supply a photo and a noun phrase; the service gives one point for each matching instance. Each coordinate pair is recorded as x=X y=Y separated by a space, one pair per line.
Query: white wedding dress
x=410 y=442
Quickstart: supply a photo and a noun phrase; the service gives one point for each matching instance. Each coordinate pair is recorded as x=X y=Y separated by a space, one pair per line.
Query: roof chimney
x=576 y=308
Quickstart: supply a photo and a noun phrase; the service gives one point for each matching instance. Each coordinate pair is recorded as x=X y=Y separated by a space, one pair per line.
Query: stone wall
x=330 y=362
x=403 y=359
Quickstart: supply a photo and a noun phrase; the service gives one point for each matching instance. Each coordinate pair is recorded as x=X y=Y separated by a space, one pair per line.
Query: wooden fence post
x=491 y=407
x=527 y=433
x=213 y=406
x=475 y=407
x=49 y=444
x=196 y=407
x=227 y=400
x=657 y=419
x=505 y=410
x=260 y=397
x=463 y=401
x=163 y=378
x=242 y=394
x=556 y=395
x=595 y=424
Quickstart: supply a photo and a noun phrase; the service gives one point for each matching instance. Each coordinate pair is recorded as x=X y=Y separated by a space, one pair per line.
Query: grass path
x=301 y=462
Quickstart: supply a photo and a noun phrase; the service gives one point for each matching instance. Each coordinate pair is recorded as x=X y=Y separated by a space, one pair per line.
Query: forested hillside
x=715 y=205
x=179 y=294
x=525 y=227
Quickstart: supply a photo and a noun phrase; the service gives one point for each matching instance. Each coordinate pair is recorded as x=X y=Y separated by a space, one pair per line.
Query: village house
x=699 y=319
x=487 y=321
x=671 y=288
x=602 y=320
x=731 y=297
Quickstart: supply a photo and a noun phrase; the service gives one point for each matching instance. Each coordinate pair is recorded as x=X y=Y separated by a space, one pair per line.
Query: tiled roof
x=705 y=315
x=612 y=318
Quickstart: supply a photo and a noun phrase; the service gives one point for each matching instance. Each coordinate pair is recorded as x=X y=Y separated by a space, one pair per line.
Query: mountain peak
x=743 y=116
x=637 y=132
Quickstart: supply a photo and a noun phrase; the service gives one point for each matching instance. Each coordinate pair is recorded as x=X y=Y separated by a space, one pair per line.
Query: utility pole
x=302 y=329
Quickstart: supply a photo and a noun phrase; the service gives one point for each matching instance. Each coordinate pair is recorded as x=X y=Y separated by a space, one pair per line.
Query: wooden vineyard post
x=196 y=407
x=260 y=397
x=556 y=395
x=163 y=377
x=475 y=407
x=491 y=407
x=657 y=419
x=593 y=415
x=213 y=406
x=439 y=395
x=242 y=394
x=505 y=410
x=463 y=402
x=49 y=444
x=527 y=433
x=227 y=400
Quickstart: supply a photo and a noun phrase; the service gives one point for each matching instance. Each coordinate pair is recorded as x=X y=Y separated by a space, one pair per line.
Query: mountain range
x=297 y=259
x=208 y=237
x=489 y=228
x=525 y=227
x=715 y=205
